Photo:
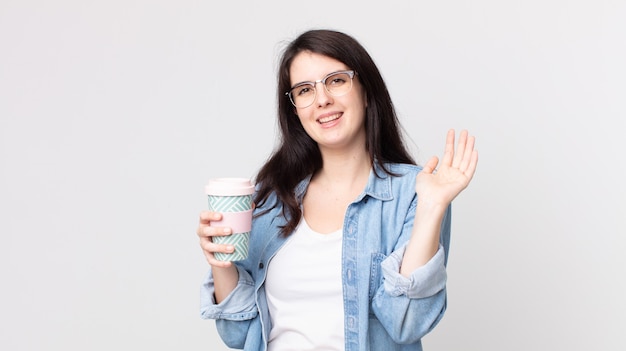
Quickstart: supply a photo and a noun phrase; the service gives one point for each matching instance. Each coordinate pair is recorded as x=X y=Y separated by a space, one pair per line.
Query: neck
x=344 y=167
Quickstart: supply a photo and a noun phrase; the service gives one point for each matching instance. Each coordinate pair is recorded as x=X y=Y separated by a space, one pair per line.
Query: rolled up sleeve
x=423 y=282
x=238 y=305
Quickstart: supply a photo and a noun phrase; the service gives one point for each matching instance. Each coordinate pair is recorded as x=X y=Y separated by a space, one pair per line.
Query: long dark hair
x=297 y=155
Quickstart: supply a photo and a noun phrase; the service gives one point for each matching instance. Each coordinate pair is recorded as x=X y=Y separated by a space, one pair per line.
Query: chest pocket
x=375 y=274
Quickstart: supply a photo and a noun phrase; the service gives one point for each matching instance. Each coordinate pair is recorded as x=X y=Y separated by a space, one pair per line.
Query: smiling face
x=334 y=122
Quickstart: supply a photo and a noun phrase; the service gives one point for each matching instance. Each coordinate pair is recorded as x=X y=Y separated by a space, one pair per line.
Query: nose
x=322 y=97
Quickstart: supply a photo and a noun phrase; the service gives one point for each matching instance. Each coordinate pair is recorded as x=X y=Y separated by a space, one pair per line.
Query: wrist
x=427 y=208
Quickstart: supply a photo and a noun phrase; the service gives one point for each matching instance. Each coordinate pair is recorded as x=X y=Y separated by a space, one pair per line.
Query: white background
x=113 y=114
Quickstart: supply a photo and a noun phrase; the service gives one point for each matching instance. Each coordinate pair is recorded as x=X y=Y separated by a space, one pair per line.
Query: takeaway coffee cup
x=232 y=197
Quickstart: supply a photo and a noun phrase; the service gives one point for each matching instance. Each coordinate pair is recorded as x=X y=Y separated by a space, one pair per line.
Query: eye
x=337 y=79
x=304 y=89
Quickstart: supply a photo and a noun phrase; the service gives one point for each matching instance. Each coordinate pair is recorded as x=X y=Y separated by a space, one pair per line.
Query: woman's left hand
x=441 y=186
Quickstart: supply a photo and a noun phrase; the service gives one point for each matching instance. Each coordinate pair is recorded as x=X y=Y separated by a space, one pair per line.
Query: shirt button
x=261 y=265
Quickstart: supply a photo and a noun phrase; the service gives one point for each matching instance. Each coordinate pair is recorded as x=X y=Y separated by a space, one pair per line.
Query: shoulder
x=403 y=169
x=400 y=172
x=393 y=181
x=402 y=180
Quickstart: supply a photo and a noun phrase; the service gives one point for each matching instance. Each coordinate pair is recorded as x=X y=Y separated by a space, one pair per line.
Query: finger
x=209 y=231
x=205 y=228
x=209 y=249
x=207 y=216
x=205 y=221
x=471 y=167
x=221 y=264
x=467 y=155
x=215 y=262
x=431 y=165
x=448 y=152
x=460 y=149
x=208 y=245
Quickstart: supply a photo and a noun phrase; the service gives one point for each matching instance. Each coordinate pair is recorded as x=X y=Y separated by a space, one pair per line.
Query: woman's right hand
x=206 y=233
x=225 y=274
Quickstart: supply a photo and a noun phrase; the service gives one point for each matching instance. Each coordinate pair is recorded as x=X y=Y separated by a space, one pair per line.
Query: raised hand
x=440 y=185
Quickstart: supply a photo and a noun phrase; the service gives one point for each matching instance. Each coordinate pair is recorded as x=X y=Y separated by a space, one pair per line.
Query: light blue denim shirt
x=383 y=310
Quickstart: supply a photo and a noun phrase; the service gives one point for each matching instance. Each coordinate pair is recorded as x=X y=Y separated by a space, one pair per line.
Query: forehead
x=310 y=66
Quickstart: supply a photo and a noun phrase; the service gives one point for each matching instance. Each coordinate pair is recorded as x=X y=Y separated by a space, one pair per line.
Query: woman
x=349 y=241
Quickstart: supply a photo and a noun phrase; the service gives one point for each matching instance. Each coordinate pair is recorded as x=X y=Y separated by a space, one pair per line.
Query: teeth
x=329 y=118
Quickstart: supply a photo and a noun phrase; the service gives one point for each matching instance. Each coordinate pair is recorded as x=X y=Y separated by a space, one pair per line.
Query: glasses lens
x=338 y=84
x=302 y=95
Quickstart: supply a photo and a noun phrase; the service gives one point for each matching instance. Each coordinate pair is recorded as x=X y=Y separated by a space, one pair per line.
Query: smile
x=327 y=119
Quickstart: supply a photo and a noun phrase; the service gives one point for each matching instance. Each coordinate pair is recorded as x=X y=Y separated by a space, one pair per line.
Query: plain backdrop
x=114 y=114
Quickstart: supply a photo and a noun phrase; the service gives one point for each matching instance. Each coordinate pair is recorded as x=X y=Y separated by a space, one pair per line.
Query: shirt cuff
x=238 y=305
x=424 y=281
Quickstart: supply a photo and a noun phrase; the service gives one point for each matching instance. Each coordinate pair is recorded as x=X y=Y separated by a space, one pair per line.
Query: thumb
x=430 y=166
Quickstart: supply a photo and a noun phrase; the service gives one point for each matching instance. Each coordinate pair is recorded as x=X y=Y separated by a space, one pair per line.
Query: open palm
x=440 y=185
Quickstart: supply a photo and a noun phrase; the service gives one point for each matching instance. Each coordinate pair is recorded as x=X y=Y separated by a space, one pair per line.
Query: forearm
x=225 y=281
x=424 y=241
x=408 y=320
x=409 y=307
x=219 y=302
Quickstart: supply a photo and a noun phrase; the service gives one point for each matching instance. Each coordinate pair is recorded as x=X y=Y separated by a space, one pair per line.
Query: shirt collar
x=378 y=186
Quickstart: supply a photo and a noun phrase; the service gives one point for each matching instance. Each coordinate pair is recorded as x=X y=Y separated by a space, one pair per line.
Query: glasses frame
x=351 y=73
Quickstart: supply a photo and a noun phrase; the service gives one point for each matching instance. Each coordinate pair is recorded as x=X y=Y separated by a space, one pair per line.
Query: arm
x=413 y=298
x=225 y=274
x=409 y=307
x=235 y=314
x=435 y=191
x=227 y=294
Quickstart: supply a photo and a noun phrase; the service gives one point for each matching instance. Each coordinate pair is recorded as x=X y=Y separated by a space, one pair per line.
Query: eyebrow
x=319 y=80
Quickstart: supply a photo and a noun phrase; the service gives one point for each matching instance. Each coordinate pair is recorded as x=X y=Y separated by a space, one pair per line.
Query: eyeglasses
x=336 y=84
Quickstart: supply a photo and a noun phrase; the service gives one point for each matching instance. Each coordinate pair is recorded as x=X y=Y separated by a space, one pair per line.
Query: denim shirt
x=383 y=310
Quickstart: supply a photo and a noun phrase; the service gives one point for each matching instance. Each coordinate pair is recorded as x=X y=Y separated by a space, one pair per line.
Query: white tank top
x=304 y=292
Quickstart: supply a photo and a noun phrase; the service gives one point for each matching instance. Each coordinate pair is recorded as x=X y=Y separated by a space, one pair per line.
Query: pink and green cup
x=232 y=197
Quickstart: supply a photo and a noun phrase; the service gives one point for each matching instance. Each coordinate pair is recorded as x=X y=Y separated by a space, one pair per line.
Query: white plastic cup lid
x=229 y=187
